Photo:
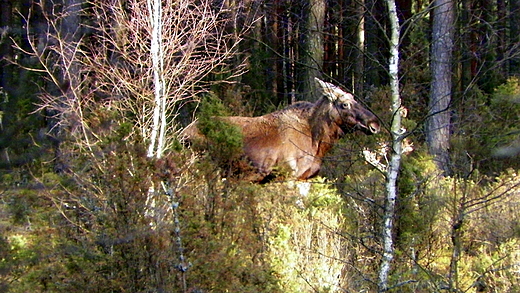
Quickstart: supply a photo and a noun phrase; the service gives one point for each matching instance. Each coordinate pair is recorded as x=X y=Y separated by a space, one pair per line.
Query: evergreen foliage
x=217 y=131
x=223 y=141
x=489 y=123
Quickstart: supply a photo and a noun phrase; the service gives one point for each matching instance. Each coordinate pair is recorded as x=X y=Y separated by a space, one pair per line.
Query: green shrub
x=223 y=141
x=487 y=123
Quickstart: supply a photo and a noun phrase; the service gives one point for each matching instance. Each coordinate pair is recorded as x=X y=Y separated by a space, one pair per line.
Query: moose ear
x=331 y=91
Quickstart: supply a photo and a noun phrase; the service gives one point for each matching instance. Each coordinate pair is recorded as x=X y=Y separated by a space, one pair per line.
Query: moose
x=297 y=138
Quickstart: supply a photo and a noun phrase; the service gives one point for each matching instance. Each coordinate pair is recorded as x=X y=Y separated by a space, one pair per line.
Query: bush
x=223 y=140
x=488 y=127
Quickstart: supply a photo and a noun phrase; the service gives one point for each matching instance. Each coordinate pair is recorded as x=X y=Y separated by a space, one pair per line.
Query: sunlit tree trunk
x=395 y=156
x=157 y=134
x=312 y=48
x=438 y=126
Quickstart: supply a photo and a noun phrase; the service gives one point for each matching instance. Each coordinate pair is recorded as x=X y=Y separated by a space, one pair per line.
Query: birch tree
x=158 y=127
x=395 y=157
x=127 y=80
x=143 y=61
x=187 y=41
x=122 y=71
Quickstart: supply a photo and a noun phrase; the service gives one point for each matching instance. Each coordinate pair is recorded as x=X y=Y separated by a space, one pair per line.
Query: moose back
x=296 y=138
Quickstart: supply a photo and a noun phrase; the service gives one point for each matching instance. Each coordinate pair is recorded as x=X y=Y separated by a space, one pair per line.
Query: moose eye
x=345 y=106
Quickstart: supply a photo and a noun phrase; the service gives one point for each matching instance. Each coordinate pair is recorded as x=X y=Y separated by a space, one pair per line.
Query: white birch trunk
x=158 y=128
x=157 y=131
x=395 y=159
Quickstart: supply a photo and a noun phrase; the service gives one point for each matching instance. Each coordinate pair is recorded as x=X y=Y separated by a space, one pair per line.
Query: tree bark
x=359 y=70
x=456 y=240
x=514 y=37
x=395 y=157
x=312 y=48
x=6 y=50
x=156 y=145
x=502 y=37
x=376 y=65
x=466 y=46
x=438 y=125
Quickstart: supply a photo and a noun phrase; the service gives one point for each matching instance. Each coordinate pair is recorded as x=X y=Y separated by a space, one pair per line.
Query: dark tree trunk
x=514 y=37
x=376 y=66
x=6 y=50
x=488 y=31
x=467 y=69
x=359 y=67
x=502 y=37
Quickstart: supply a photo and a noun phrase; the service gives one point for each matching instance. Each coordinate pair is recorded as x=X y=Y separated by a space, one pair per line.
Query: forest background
x=99 y=195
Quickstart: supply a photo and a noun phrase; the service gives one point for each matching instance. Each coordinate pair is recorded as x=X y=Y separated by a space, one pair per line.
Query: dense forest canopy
x=99 y=194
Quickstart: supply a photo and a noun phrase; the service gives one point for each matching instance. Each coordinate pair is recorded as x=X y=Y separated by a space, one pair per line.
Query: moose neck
x=325 y=131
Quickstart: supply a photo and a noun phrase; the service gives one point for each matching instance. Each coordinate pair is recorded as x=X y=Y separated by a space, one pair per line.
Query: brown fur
x=297 y=137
